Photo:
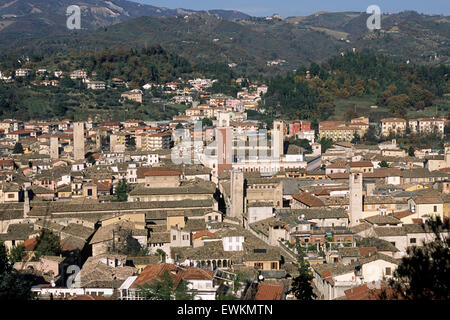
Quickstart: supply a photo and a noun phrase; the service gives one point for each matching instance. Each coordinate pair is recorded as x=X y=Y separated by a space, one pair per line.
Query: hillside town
x=215 y=200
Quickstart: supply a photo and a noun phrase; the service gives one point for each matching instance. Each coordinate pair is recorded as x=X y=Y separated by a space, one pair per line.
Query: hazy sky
x=305 y=7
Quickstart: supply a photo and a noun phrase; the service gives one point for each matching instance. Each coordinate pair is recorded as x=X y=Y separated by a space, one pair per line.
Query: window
x=435 y=208
x=11 y=196
x=388 y=271
x=258 y=265
x=274 y=265
x=174 y=237
x=412 y=240
x=89 y=192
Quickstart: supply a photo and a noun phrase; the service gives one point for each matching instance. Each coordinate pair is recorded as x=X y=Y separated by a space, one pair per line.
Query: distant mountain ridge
x=251 y=43
x=35 y=15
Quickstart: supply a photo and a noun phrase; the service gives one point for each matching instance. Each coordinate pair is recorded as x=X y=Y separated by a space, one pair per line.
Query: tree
x=162 y=254
x=301 y=285
x=326 y=143
x=206 y=122
x=13 y=285
x=356 y=138
x=424 y=274
x=371 y=135
x=18 y=148
x=179 y=126
x=48 y=244
x=304 y=143
x=164 y=288
x=384 y=164
x=131 y=144
x=122 y=191
x=4 y=262
x=411 y=151
x=16 y=253
x=91 y=159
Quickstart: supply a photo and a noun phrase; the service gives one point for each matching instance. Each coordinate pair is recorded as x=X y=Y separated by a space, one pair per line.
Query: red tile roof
x=337 y=165
x=402 y=214
x=308 y=199
x=154 y=271
x=364 y=293
x=338 y=175
x=6 y=163
x=203 y=233
x=327 y=276
x=428 y=200
x=361 y=164
x=30 y=244
x=162 y=172
x=366 y=251
x=269 y=292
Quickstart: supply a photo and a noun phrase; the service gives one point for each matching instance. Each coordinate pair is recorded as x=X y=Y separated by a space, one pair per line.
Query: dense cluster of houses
x=179 y=91
x=388 y=127
x=207 y=222
x=238 y=209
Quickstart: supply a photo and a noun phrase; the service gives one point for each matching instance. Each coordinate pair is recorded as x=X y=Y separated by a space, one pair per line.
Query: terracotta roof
x=337 y=165
x=151 y=272
x=366 y=251
x=103 y=186
x=428 y=200
x=402 y=214
x=364 y=293
x=196 y=274
x=360 y=164
x=30 y=244
x=392 y=120
x=382 y=220
x=269 y=292
x=203 y=233
x=6 y=162
x=338 y=175
x=308 y=199
x=162 y=172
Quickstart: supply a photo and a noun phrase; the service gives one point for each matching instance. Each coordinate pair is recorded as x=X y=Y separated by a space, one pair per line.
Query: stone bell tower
x=356 y=198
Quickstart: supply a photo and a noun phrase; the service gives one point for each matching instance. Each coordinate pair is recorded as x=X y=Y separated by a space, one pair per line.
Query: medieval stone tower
x=237 y=193
x=224 y=138
x=54 y=148
x=356 y=198
x=98 y=141
x=277 y=139
x=78 y=141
